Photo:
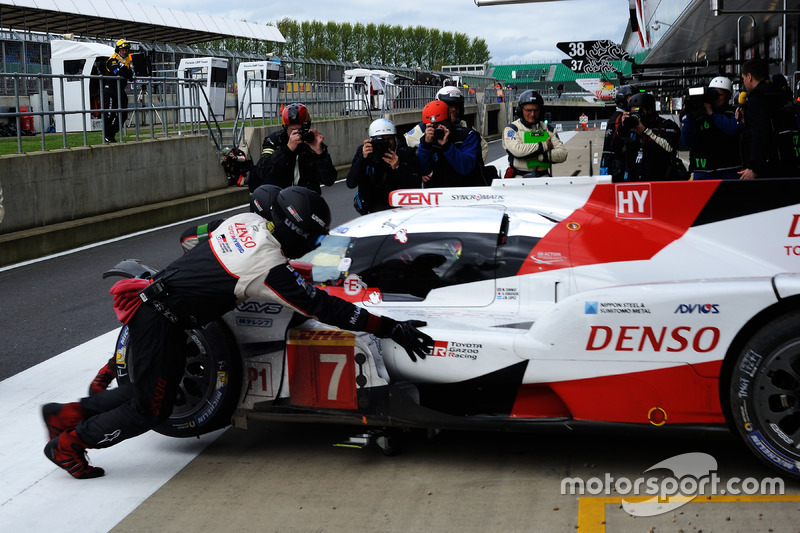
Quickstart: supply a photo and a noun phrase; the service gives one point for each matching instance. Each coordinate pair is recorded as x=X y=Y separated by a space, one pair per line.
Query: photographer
x=650 y=142
x=381 y=166
x=118 y=72
x=711 y=131
x=449 y=155
x=612 y=161
x=294 y=156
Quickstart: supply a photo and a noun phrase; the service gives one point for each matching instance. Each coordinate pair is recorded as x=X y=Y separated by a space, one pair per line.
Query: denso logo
x=633 y=201
x=400 y=198
x=793 y=231
x=640 y=338
x=704 y=309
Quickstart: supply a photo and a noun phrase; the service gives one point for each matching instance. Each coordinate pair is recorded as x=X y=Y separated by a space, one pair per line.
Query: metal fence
x=161 y=106
x=42 y=105
x=263 y=99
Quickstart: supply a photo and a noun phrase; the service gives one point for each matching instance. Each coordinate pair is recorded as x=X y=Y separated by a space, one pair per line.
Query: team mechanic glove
x=406 y=334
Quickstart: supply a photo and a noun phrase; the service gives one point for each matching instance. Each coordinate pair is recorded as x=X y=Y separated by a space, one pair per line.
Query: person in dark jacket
x=764 y=117
x=296 y=155
x=711 y=131
x=118 y=72
x=612 y=160
x=245 y=257
x=651 y=142
x=449 y=155
x=380 y=166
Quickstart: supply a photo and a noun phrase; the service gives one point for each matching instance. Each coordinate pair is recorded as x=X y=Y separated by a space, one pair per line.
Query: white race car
x=565 y=300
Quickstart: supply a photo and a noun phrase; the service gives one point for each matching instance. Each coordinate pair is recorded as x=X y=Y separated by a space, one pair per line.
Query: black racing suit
x=119 y=71
x=241 y=259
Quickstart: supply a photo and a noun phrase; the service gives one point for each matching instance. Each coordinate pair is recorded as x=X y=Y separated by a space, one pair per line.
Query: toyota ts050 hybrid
x=567 y=300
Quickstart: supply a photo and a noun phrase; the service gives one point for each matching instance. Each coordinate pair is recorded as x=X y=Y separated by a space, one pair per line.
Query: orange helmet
x=435 y=111
x=296 y=114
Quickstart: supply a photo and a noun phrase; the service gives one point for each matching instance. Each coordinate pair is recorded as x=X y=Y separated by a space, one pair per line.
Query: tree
x=479 y=52
x=370 y=52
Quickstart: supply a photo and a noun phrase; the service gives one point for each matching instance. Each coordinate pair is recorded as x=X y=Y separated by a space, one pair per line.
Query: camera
x=631 y=121
x=696 y=98
x=306 y=135
x=379 y=147
x=438 y=134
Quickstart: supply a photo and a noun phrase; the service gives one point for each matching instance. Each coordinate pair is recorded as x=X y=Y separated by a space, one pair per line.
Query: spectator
x=295 y=155
x=118 y=72
x=454 y=98
x=765 y=114
x=532 y=146
x=449 y=155
x=612 y=161
x=650 y=142
x=711 y=131
x=381 y=165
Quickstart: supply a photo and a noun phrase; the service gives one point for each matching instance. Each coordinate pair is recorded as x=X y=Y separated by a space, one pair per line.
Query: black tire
x=211 y=384
x=765 y=394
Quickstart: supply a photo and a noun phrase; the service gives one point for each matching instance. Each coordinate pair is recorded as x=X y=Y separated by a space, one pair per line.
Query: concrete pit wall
x=59 y=199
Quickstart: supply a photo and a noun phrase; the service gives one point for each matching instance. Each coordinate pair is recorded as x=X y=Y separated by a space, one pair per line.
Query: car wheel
x=211 y=385
x=765 y=394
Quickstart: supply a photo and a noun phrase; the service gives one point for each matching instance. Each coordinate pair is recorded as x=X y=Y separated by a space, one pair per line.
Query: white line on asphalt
x=36 y=495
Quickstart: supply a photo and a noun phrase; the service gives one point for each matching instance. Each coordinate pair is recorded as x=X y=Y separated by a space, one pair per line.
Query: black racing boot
x=61 y=417
x=69 y=452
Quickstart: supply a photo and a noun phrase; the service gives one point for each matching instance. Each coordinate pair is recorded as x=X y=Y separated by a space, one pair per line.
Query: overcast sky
x=514 y=33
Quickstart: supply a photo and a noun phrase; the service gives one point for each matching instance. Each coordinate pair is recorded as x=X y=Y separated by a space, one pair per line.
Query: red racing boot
x=69 y=452
x=61 y=417
x=103 y=378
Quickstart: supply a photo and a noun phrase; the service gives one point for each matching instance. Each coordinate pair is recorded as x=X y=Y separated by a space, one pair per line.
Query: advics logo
x=701 y=309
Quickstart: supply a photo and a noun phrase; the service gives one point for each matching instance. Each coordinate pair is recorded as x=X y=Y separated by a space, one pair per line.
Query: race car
x=551 y=301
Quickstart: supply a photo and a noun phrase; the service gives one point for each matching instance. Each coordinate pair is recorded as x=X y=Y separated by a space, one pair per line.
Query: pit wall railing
x=158 y=107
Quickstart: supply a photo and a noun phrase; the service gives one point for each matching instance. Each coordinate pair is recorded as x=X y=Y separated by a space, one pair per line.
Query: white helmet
x=721 y=82
x=451 y=96
x=380 y=127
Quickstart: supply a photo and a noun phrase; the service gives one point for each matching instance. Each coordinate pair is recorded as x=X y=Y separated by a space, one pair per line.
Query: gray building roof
x=113 y=19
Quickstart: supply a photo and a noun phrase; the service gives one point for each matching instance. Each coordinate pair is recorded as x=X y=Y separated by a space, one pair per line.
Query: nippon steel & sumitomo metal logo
x=693 y=474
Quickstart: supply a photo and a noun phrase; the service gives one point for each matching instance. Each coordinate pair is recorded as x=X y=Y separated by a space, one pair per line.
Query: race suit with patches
x=240 y=260
x=528 y=150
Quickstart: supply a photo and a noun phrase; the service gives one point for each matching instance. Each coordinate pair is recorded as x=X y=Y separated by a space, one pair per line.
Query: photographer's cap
x=721 y=82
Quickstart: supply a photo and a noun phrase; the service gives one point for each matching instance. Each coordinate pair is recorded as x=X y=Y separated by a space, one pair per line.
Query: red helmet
x=296 y=114
x=435 y=111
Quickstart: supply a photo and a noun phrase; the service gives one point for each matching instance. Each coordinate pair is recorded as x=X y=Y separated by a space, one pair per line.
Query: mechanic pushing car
x=246 y=256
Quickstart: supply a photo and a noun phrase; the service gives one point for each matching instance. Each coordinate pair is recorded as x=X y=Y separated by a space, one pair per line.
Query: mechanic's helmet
x=642 y=101
x=435 y=112
x=262 y=199
x=296 y=114
x=528 y=97
x=623 y=93
x=301 y=217
x=721 y=82
x=381 y=127
x=452 y=96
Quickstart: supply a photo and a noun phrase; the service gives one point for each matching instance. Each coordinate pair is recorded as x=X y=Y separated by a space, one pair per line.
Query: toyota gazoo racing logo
x=700 y=309
x=458 y=350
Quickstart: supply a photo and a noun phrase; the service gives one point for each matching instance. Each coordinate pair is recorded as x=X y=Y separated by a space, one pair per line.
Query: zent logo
x=634 y=201
x=401 y=198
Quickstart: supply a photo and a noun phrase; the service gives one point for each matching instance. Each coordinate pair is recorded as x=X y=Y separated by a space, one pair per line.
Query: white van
x=366 y=85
